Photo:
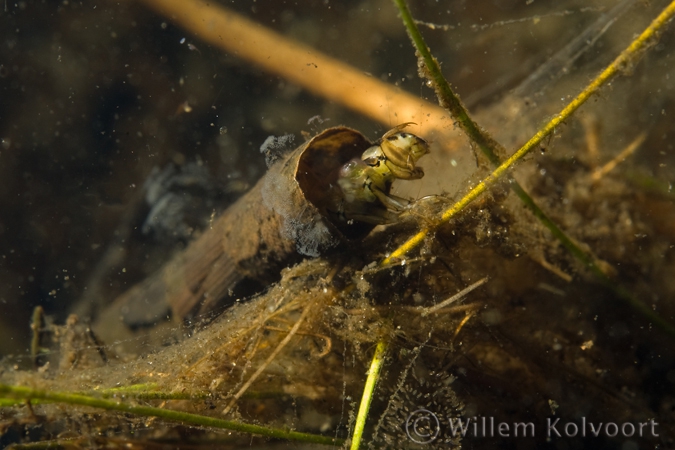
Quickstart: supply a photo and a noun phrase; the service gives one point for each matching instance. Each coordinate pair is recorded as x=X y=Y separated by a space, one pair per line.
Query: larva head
x=402 y=150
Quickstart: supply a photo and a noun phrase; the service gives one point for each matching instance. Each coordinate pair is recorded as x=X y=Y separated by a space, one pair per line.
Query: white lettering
x=654 y=424
x=595 y=432
x=460 y=426
x=524 y=426
x=583 y=426
x=569 y=433
x=552 y=427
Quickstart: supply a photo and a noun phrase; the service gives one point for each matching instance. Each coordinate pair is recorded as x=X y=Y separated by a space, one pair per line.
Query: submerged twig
x=305 y=66
x=454 y=298
x=465 y=320
x=36 y=325
x=269 y=359
x=414 y=309
x=328 y=345
x=557 y=271
x=625 y=153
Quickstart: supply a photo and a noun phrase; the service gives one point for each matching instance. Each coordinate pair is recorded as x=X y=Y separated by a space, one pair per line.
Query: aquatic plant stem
x=26 y=393
x=485 y=142
x=490 y=147
x=369 y=388
x=447 y=98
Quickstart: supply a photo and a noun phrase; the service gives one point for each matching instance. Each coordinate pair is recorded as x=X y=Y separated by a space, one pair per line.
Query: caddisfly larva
x=332 y=189
x=365 y=183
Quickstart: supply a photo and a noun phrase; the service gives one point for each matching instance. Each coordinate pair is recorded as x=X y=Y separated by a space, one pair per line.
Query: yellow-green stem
x=490 y=147
x=483 y=140
x=369 y=388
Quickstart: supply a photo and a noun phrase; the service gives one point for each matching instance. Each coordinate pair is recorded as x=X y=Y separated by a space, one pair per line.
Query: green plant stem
x=490 y=147
x=368 y=389
x=27 y=393
x=446 y=97
x=149 y=391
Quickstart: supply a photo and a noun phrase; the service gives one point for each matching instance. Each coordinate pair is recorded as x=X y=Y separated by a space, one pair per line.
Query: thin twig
x=557 y=271
x=454 y=298
x=625 y=153
x=269 y=359
x=413 y=309
x=328 y=343
x=465 y=320
x=592 y=138
x=307 y=67
x=36 y=325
